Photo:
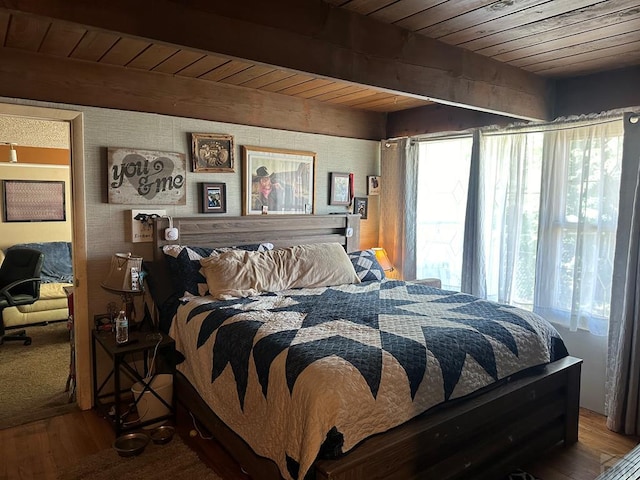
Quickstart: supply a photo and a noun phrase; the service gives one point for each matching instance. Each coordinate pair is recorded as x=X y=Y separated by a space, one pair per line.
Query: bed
x=497 y=415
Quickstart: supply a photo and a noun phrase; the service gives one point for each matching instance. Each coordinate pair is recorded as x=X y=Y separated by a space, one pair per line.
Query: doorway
x=73 y=122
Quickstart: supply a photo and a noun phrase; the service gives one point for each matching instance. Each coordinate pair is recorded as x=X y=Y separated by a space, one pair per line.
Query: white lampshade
x=383 y=259
x=124 y=273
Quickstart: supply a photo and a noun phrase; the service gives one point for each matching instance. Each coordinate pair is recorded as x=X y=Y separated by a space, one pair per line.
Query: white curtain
x=398 y=194
x=547 y=207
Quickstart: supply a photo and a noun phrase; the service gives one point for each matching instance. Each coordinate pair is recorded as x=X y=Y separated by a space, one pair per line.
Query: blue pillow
x=366 y=265
x=184 y=266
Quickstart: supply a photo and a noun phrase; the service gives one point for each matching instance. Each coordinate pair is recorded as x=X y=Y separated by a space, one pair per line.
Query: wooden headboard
x=281 y=230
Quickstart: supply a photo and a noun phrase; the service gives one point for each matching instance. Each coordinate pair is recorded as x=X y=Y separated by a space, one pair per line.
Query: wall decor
x=142 y=224
x=34 y=201
x=361 y=206
x=211 y=152
x=146 y=177
x=277 y=181
x=214 y=198
x=339 y=189
x=373 y=185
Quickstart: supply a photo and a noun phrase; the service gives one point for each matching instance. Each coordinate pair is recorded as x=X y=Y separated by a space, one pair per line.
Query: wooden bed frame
x=482 y=437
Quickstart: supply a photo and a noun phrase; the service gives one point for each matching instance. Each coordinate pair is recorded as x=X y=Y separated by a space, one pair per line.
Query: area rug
x=34 y=376
x=173 y=460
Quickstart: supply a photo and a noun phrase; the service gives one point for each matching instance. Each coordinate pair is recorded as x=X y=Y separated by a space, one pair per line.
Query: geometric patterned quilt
x=307 y=372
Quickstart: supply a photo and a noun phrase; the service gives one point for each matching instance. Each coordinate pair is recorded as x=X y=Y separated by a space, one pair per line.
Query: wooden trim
x=281 y=230
x=41 y=77
x=39 y=155
x=317 y=38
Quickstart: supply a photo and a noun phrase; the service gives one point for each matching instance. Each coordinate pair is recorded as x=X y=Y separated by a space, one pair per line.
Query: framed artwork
x=34 y=201
x=146 y=177
x=339 y=189
x=214 y=197
x=373 y=185
x=277 y=181
x=212 y=152
x=361 y=206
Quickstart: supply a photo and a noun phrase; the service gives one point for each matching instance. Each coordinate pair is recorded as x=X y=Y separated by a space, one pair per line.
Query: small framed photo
x=361 y=206
x=211 y=152
x=339 y=194
x=373 y=185
x=214 y=198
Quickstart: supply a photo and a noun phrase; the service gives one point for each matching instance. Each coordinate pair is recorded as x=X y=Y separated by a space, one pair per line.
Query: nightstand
x=117 y=404
x=430 y=282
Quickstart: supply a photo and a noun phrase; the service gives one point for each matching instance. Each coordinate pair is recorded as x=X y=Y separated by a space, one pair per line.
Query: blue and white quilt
x=288 y=371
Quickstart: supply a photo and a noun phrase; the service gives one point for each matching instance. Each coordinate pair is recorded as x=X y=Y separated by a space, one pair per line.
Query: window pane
x=443 y=177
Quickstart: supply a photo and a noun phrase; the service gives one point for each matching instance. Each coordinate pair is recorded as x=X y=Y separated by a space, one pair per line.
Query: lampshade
x=124 y=273
x=383 y=259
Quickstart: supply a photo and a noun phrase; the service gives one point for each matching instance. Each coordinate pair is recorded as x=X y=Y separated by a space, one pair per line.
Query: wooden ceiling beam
x=43 y=77
x=314 y=37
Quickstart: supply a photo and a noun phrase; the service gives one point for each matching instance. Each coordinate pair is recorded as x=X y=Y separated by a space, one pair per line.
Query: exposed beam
x=439 y=118
x=598 y=92
x=312 y=36
x=41 y=77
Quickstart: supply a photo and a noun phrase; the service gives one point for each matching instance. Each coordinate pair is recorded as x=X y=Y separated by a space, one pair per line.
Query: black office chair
x=19 y=285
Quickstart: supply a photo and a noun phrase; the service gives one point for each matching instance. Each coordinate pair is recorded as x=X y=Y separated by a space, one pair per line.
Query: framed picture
x=214 y=197
x=361 y=206
x=34 y=201
x=146 y=177
x=142 y=224
x=212 y=152
x=339 y=189
x=373 y=185
x=277 y=181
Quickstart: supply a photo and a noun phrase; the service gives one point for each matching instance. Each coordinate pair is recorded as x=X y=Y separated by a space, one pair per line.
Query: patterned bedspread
x=288 y=371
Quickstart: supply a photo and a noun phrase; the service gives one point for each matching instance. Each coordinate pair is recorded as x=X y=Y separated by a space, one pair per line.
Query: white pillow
x=242 y=274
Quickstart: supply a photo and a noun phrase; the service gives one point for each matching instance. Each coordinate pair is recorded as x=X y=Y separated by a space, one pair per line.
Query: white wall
x=593 y=351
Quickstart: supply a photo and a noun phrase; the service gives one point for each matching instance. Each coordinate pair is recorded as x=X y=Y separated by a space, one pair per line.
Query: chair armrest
x=5 y=292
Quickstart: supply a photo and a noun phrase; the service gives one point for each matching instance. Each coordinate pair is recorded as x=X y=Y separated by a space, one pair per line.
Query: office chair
x=19 y=285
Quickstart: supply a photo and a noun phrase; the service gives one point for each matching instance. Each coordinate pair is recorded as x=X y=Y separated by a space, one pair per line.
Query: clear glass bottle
x=122 y=327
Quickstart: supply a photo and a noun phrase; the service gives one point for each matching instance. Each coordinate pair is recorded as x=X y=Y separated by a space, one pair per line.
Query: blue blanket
x=57 y=266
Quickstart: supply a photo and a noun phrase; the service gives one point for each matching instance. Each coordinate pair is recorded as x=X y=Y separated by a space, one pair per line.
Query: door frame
x=79 y=238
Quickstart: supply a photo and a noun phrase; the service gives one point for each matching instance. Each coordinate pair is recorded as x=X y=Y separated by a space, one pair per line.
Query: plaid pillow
x=183 y=263
x=366 y=265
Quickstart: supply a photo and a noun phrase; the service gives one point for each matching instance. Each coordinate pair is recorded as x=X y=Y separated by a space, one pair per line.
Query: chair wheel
x=27 y=341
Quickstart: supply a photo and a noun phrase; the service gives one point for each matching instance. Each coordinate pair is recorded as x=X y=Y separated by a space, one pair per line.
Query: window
x=443 y=178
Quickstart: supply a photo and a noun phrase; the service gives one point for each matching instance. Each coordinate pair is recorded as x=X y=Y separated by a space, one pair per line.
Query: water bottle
x=122 y=328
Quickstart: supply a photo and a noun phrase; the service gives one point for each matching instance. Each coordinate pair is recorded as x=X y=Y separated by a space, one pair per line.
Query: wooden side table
x=117 y=404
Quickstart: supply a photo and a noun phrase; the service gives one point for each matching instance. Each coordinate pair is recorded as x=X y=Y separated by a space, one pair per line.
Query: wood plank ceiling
x=551 y=38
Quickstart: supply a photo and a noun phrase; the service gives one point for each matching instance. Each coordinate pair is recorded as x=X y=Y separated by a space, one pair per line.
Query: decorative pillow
x=366 y=265
x=183 y=263
x=242 y=274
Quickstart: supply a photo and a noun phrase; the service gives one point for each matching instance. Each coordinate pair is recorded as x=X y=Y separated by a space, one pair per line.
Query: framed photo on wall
x=373 y=185
x=361 y=206
x=211 y=152
x=339 y=189
x=214 y=198
x=276 y=181
x=34 y=201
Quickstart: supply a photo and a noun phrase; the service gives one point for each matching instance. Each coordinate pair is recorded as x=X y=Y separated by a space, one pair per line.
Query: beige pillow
x=241 y=274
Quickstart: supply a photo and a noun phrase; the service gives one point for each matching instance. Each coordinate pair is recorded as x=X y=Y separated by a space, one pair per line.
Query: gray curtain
x=398 y=194
x=473 y=274
x=623 y=379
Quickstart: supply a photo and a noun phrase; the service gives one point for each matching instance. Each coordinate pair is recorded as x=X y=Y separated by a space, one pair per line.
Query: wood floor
x=40 y=449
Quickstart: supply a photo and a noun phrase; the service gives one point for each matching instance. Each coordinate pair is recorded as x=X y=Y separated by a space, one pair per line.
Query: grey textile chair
x=19 y=285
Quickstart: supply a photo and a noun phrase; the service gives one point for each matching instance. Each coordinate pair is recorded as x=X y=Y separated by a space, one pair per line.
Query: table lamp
x=124 y=279
x=383 y=259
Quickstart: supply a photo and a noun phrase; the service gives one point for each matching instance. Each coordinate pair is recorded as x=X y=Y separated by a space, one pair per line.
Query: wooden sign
x=146 y=177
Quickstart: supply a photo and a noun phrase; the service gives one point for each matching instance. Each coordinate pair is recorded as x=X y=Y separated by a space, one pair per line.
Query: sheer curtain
x=547 y=213
x=398 y=194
